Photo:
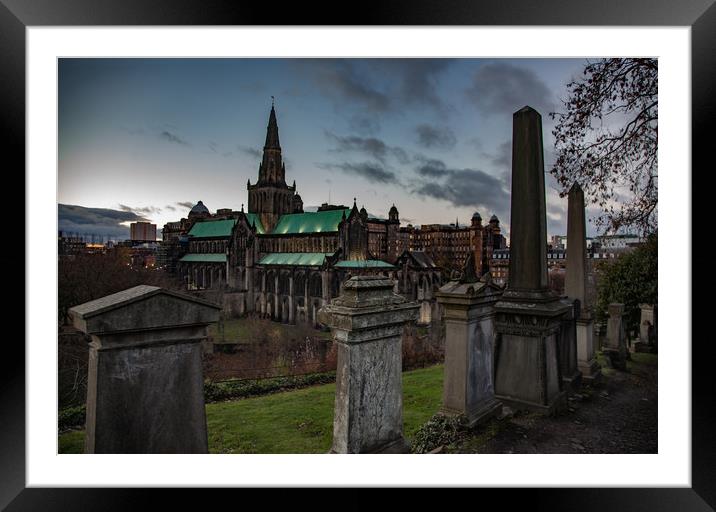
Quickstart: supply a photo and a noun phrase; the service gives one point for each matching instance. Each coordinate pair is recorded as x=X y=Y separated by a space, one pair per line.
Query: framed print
x=53 y=51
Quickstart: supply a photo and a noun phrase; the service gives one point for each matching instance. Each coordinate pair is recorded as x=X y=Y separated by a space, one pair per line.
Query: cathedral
x=284 y=263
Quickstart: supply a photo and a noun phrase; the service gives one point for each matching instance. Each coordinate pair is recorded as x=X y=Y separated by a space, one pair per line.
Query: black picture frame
x=700 y=15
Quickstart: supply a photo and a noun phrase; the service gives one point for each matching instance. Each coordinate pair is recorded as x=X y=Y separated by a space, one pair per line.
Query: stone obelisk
x=576 y=283
x=529 y=316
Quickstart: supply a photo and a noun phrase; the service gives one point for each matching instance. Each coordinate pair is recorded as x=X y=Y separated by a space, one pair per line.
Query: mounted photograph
x=357 y=255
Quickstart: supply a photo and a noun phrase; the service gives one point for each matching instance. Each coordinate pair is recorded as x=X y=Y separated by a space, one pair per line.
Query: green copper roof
x=295 y=258
x=310 y=222
x=251 y=218
x=363 y=264
x=204 y=258
x=212 y=228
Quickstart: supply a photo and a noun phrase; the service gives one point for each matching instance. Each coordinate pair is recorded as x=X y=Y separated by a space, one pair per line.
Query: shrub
x=440 y=430
x=71 y=417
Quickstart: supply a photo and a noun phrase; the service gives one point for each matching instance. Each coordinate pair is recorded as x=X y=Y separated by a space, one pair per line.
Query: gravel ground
x=618 y=415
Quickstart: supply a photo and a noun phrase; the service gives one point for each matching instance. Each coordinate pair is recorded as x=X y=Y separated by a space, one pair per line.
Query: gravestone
x=367 y=322
x=468 y=387
x=529 y=315
x=647 y=329
x=615 y=343
x=576 y=284
x=145 y=389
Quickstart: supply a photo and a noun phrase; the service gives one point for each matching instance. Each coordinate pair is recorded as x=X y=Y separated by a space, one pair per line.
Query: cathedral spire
x=272 y=130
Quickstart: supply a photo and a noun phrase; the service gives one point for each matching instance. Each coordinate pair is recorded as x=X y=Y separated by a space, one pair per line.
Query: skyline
x=151 y=137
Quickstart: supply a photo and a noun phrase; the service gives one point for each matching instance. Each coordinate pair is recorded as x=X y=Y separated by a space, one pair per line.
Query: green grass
x=235 y=329
x=299 y=421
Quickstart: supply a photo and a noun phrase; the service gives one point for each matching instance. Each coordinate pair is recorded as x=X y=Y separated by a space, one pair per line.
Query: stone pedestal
x=367 y=324
x=527 y=369
x=529 y=315
x=615 y=343
x=576 y=283
x=571 y=375
x=145 y=389
x=586 y=351
x=468 y=387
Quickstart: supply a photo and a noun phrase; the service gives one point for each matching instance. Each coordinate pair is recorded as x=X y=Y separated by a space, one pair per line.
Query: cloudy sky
x=147 y=138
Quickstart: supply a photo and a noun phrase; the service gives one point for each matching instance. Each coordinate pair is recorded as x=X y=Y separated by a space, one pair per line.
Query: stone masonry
x=145 y=390
x=468 y=387
x=529 y=315
x=367 y=322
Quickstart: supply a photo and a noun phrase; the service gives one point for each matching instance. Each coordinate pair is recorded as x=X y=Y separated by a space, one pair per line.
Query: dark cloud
x=170 y=207
x=343 y=80
x=364 y=125
x=376 y=148
x=104 y=222
x=186 y=204
x=371 y=171
x=417 y=79
x=462 y=187
x=502 y=157
x=252 y=152
x=499 y=87
x=146 y=210
x=212 y=146
x=431 y=168
x=412 y=82
x=173 y=138
x=406 y=220
x=432 y=137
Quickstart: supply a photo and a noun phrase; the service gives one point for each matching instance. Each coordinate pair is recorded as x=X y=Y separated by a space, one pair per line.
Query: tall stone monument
x=529 y=315
x=145 y=389
x=468 y=387
x=576 y=283
x=615 y=344
x=367 y=322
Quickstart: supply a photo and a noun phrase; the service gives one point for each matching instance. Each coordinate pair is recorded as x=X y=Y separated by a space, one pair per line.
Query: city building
x=450 y=244
x=142 y=232
x=283 y=262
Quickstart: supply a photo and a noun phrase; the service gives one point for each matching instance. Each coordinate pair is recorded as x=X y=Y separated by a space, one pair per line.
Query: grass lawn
x=237 y=330
x=299 y=421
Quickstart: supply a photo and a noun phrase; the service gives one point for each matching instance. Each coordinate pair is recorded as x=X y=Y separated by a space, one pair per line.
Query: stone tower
x=270 y=197
x=392 y=234
x=476 y=241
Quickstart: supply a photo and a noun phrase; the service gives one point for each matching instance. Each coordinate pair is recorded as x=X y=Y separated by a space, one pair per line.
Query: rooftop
x=310 y=222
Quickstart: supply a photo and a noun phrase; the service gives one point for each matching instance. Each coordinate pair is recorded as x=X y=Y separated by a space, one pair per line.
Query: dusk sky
x=150 y=137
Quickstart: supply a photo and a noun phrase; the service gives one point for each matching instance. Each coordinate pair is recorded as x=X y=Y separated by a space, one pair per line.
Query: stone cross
x=529 y=315
x=615 y=345
x=367 y=323
x=145 y=389
x=468 y=387
x=576 y=283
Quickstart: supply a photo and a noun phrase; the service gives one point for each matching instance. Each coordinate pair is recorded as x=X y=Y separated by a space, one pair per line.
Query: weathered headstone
x=468 y=387
x=647 y=329
x=529 y=315
x=615 y=343
x=567 y=341
x=367 y=323
x=576 y=283
x=145 y=389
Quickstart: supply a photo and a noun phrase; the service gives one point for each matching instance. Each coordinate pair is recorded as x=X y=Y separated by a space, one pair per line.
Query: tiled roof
x=310 y=222
x=204 y=258
x=251 y=218
x=295 y=258
x=212 y=228
x=363 y=264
